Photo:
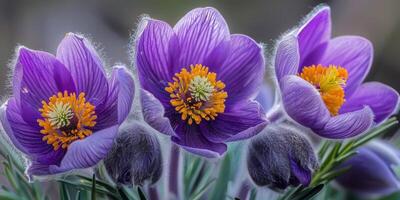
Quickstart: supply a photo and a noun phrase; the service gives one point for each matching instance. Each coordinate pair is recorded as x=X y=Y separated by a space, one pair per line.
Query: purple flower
x=280 y=156
x=135 y=157
x=372 y=170
x=64 y=113
x=205 y=79
x=321 y=80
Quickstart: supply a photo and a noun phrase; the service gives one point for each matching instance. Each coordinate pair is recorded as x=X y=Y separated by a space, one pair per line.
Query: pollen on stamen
x=330 y=82
x=197 y=94
x=66 y=118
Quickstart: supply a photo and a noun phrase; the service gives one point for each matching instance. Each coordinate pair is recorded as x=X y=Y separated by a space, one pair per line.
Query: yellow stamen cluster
x=66 y=118
x=330 y=82
x=197 y=94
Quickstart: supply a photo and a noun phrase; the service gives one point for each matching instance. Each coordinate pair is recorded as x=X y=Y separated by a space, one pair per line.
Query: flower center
x=66 y=118
x=330 y=82
x=197 y=95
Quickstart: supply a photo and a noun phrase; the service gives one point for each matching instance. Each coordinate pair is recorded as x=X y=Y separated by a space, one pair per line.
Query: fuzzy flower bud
x=135 y=156
x=280 y=157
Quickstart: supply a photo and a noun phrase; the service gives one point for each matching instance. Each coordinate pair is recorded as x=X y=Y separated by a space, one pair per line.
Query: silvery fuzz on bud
x=135 y=157
x=279 y=157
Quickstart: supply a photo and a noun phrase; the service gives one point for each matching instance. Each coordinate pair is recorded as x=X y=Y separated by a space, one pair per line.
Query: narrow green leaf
x=141 y=194
x=94 y=187
x=390 y=123
x=195 y=176
x=122 y=193
x=221 y=185
x=202 y=190
x=323 y=149
x=309 y=193
x=253 y=194
x=206 y=175
x=331 y=156
x=64 y=194
x=347 y=147
x=333 y=174
x=86 y=187
x=108 y=186
x=130 y=193
x=343 y=157
x=78 y=195
x=10 y=177
x=5 y=195
x=290 y=193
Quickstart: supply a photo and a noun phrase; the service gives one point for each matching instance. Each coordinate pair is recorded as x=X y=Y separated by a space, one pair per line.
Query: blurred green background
x=42 y=24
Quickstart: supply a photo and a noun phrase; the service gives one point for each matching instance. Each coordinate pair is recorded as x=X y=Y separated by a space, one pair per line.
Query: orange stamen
x=66 y=118
x=330 y=82
x=197 y=94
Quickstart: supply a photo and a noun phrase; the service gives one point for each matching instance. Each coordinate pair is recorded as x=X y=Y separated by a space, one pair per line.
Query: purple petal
x=303 y=102
x=386 y=151
x=126 y=91
x=315 y=31
x=28 y=138
x=87 y=152
x=199 y=32
x=63 y=78
x=85 y=66
x=347 y=125
x=191 y=139
x=247 y=60
x=382 y=99
x=6 y=126
x=287 y=57
x=242 y=121
x=155 y=49
x=36 y=73
x=302 y=175
x=38 y=169
x=119 y=100
x=153 y=113
x=266 y=96
x=352 y=53
x=368 y=174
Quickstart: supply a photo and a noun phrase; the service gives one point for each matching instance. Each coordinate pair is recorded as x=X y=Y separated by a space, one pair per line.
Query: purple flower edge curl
x=372 y=170
x=202 y=37
x=76 y=68
x=311 y=44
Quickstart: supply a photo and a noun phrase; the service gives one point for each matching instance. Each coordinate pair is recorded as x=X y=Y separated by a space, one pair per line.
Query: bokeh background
x=42 y=24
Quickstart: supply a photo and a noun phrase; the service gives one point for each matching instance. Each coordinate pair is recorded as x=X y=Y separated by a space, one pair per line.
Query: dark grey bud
x=135 y=156
x=280 y=156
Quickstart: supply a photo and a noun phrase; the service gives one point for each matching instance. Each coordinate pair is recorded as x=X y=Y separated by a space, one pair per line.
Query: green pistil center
x=200 y=88
x=60 y=115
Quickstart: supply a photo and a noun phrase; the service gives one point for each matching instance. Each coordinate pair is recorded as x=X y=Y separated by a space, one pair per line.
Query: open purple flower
x=64 y=113
x=321 y=80
x=372 y=170
x=205 y=79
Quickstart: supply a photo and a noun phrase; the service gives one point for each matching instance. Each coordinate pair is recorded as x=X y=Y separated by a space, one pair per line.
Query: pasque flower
x=64 y=113
x=135 y=156
x=321 y=80
x=204 y=77
x=372 y=170
x=280 y=156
